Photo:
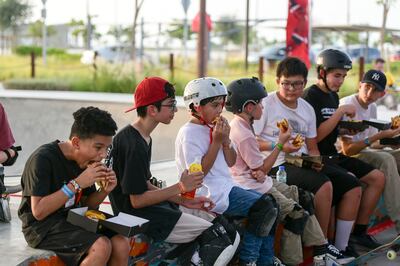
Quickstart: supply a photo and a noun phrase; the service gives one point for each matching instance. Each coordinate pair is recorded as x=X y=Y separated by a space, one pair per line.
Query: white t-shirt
x=192 y=142
x=248 y=156
x=361 y=114
x=301 y=119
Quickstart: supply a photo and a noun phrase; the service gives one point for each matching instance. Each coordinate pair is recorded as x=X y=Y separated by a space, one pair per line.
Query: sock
x=343 y=230
x=320 y=250
x=360 y=229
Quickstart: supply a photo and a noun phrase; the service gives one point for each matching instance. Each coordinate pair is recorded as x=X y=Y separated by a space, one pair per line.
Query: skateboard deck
x=390 y=249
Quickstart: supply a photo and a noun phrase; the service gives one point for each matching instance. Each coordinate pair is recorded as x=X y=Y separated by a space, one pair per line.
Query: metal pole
x=44 y=34
x=261 y=69
x=141 y=41
x=89 y=27
x=185 y=38
x=246 y=37
x=202 y=44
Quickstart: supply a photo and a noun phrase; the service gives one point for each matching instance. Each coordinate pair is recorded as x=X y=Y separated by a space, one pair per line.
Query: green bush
x=37 y=50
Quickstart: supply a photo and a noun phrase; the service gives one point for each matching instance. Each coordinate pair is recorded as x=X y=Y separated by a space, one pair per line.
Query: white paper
x=127 y=220
x=80 y=211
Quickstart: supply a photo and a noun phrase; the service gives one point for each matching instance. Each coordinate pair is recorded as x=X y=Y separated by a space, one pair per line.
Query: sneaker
x=350 y=252
x=338 y=255
x=277 y=262
x=364 y=240
x=251 y=263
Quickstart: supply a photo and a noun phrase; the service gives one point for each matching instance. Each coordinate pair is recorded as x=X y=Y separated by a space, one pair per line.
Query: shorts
x=69 y=242
x=354 y=165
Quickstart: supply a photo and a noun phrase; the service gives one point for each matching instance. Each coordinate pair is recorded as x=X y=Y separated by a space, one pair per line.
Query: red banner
x=297 y=27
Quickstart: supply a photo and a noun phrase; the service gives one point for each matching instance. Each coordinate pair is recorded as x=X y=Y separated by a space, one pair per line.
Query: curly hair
x=90 y=121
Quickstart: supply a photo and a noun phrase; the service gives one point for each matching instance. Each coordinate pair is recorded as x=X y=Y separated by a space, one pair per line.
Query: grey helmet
x=244 y=91
x=333 y=58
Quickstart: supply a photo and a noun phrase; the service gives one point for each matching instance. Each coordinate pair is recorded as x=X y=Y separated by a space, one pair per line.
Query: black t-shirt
x=325 y=105
x=132 y=156
x=45 y=172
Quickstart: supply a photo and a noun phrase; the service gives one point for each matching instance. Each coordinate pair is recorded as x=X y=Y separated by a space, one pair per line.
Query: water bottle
x=281 y=174
x=205 y=192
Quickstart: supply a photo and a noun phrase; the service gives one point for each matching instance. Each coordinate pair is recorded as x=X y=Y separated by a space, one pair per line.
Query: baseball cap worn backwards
x=375 y=77
x=148 y=91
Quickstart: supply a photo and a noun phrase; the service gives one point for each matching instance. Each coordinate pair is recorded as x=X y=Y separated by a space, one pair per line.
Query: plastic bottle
x=205 y=192
x=281 y=174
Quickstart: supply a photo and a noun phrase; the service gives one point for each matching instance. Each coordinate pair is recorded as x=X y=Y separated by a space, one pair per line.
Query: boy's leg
x=386 y=162
x=120 y=251
x=251 y=204
x=375 y=182
x=314 y=182
x=291 y=251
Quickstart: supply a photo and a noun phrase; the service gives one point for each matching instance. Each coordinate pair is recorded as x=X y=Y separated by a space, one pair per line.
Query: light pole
x=89 y=27
x=44 y=33
x=185 y=5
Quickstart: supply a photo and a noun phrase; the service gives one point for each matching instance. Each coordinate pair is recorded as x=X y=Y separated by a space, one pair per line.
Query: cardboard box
x=390 y=141
x=379 y=124
x=124 y=224
x=353 y=125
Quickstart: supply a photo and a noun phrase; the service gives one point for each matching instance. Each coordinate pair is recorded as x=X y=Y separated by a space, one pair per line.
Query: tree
x=120 y=33
x=230 y=31
x=13 y=13
x=175 y=30
x=138 y=6
x=386 y=6
x=80 y=30
x=35 y=30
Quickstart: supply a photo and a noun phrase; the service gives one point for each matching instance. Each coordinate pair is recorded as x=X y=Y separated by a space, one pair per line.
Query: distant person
x=132 y=148
x=379 y=64
x=61 y=175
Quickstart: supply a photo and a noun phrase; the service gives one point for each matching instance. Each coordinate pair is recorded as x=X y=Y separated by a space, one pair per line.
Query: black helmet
x=243 y=91
x=332 y=58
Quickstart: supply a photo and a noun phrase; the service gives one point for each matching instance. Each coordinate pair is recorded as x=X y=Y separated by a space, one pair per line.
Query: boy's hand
x=221 y=131
x=192 y=181
x=95 y=172
x=347 y=109
x=258 y=175
x=111 y=181
x=288 y=147
x=284 y=136
x=199 y=203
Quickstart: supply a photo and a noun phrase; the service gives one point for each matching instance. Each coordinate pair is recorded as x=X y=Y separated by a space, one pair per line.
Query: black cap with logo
x=375 y=77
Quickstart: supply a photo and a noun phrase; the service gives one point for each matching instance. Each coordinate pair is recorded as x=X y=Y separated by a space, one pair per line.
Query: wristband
x=67 y=191
x=75 y=184
x=366 y=141
x=279 y=146
x=181 y=187
x=273 y=144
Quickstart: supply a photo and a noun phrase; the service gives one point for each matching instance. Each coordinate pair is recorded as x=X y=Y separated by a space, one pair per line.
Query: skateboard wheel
x=391 y=254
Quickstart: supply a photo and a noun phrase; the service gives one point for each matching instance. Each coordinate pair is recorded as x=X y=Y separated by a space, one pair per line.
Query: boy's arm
x=326 y=127
x=350 y=148
x=229 y=154
x=312 y=147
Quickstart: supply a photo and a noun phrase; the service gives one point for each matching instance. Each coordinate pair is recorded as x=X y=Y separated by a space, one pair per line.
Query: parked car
x=370 y=54
x=395 y=56
x=278 y=53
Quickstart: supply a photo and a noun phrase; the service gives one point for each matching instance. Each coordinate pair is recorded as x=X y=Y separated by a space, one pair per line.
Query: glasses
x=296 y=85
x=172 y=106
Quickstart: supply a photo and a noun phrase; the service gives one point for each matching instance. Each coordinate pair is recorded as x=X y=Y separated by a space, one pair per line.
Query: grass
x=66 y=72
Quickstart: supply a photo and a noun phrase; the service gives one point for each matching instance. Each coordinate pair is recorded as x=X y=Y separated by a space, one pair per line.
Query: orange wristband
x=181 y=187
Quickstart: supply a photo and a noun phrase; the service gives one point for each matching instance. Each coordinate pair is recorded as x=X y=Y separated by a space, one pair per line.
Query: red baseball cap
x=148 y=91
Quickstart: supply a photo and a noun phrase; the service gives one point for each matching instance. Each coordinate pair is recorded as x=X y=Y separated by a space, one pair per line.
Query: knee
x=378 y=179
x=102 y=248
x=120 y=246
x=325 y=190
x=354 y=194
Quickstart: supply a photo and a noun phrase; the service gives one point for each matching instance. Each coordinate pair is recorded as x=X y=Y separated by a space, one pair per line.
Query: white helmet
x=202 y=88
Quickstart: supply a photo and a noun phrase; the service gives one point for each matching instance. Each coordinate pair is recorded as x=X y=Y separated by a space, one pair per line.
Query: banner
x=297 y=28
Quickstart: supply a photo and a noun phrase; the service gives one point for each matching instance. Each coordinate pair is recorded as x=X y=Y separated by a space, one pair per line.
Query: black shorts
x=354 y=165
x=69 y=242
x=312 y=180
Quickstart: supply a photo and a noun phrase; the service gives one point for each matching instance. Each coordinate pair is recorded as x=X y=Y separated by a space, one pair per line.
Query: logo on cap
x=376 y=76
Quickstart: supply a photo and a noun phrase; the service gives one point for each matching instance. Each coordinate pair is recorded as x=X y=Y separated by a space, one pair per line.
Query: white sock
x=343 y=230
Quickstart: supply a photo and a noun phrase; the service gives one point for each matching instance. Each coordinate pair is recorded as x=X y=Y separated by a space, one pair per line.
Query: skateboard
x=390 y=249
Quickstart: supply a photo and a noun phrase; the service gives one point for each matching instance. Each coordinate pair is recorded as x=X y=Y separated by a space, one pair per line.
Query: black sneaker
x=338 y=255
x=364 y=240
x=350 y=252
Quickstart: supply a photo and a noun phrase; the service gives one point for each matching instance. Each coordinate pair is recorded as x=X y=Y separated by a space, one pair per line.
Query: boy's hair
x=205 y=101
x=169 y=90
x=379 y=60
x=91 y=121
x=291 y=66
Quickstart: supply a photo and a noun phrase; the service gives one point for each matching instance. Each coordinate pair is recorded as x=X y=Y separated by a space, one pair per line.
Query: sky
x=108 y=12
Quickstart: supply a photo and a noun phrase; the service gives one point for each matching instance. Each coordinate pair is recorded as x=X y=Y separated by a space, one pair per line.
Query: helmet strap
x=204 y=123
